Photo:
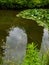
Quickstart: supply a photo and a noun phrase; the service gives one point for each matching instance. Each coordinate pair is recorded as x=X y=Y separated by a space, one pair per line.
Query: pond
x=9 y=22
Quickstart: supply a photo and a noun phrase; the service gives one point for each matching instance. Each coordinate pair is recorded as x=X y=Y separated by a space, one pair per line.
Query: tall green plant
x=33 y=58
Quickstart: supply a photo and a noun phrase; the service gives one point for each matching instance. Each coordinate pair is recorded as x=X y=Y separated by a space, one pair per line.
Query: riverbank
x=41 y=16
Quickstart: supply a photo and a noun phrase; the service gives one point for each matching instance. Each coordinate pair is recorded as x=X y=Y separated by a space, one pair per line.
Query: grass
x=41 y=16
x=32 y=57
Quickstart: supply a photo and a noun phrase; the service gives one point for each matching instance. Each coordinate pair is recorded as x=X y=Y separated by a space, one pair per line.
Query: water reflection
x=45 y=42
x=16 y=42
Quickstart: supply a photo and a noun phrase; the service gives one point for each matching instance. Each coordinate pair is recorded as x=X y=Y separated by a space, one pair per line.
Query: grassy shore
x=41 y=16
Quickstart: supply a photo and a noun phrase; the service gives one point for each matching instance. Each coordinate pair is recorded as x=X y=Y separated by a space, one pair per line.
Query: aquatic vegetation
x=41 y=16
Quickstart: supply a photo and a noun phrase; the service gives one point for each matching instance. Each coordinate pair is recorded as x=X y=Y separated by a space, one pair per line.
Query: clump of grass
x=32 y=57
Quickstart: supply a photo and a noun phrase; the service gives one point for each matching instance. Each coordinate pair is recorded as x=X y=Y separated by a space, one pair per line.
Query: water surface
x=8 y=20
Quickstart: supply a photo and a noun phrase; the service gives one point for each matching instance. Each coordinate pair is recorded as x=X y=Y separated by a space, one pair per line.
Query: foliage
x=33 y=58
x=23 y=3
x=33 y=3
x=9 y=4
x=41 y=16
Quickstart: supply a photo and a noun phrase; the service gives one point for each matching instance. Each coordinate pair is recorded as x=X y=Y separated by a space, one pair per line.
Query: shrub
x=23 y=3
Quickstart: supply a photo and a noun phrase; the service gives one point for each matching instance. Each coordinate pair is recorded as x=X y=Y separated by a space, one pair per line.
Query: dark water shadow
x=8 y=20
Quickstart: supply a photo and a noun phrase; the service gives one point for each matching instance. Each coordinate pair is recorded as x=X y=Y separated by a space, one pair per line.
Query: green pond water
x=8 y=20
